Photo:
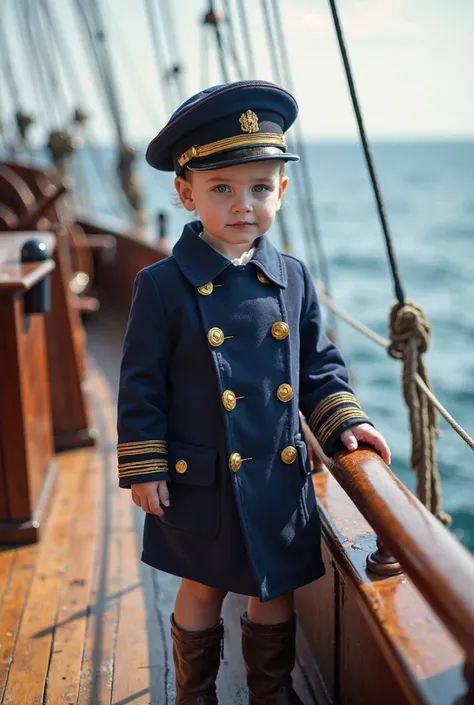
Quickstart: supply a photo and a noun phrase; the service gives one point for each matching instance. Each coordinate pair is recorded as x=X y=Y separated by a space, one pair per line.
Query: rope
x=399 y=293
x=152 y=22
x=384 y=343
x=244 y=24
x=410 y=336
x=204 y=59
x=307 y=203
x=7 y=69
x=409 y=333
x=232 y=40
x=212 y=18
x=142 y=90
x=173 y=48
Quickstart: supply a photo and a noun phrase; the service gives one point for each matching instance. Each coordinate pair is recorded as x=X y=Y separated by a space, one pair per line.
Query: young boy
x=224 y=346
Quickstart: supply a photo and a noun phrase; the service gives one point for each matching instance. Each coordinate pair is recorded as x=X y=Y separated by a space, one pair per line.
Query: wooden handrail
x=434 y=560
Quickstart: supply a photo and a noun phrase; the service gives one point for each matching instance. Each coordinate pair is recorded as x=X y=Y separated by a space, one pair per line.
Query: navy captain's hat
x=233 y=123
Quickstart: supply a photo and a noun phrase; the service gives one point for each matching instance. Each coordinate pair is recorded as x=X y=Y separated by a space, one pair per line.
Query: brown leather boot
x=269 y=655
x=196 y=657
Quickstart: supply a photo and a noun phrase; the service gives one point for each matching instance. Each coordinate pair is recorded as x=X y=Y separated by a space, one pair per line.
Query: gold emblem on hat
x=249 y=121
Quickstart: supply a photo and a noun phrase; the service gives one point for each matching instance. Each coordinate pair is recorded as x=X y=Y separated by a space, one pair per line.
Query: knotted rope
x=410 y=335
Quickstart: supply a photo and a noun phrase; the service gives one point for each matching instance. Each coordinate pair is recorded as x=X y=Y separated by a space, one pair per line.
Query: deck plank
x=132 y=666
x=98 y=662
x=69 y=634
x=7 y=561
x=27 y=677
x=12 y=606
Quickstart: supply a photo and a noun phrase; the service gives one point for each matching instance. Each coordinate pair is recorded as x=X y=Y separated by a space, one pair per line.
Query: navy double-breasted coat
x=217 y=361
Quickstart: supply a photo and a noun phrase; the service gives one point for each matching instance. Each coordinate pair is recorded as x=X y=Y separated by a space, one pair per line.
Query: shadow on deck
x=83 y=621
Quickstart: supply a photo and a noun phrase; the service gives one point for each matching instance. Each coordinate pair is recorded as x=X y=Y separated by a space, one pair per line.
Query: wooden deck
x=82 y=620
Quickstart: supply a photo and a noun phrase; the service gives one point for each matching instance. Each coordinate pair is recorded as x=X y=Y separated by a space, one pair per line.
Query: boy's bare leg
x=273 y=612
x=197 y=606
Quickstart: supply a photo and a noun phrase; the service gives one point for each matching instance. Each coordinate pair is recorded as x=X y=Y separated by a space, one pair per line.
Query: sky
x=412 y=62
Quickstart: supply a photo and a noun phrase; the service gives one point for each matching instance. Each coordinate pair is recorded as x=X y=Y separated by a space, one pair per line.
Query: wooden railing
x=434 y=560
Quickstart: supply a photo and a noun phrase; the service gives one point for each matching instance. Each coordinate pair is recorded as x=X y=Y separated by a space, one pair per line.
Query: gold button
x=181 y=466
x=215 y=337
x=288 y=455
x=285 y=392
x=229 y=400
x=206 y=289
x=262 y=278
x=280 y=330
x=235 y=462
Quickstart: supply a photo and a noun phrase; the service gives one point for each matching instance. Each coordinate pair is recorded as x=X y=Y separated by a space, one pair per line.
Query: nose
x=241 y=203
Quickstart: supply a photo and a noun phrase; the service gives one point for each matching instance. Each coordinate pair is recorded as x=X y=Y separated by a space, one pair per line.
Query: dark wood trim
x=81 y=438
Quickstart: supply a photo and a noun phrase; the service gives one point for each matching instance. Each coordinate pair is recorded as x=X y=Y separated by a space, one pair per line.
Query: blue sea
x=428 y=189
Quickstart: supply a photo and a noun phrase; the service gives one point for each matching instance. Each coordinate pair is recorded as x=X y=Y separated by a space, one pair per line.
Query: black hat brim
x=240 y=156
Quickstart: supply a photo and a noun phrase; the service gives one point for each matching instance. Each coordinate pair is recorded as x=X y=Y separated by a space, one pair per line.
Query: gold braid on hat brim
x=260 y=139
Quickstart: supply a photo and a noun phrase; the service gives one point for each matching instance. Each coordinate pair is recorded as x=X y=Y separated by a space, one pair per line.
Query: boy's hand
x=151 y=496
x=367 y=434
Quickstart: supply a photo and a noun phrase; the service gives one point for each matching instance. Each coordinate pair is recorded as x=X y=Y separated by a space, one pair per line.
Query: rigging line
x=220 y=47
x=98 y=38
x=42 y=88
x=399 y=292
x=78 y=91
x=205 y=79
x=97 y=74
x=51 y=67
x=303 y=198
x=232 y=40
x=152 y=22
x=141 y=90
x=107 y=70
x=65 y=60
x=8 y=68
x=173 y=43
x=384 y=343
x=314 y=221
x=246 y=35
x=3 y=124
x=274 y=55
x=107 y=88
x=24 y=37
x=64 y=63
x=102 y=72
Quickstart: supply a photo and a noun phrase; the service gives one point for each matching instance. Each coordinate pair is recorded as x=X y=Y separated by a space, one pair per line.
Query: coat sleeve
x=326 y=399
x=142 y=398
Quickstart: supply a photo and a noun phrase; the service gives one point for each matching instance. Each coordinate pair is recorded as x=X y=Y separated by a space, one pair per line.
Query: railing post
x=381 y=561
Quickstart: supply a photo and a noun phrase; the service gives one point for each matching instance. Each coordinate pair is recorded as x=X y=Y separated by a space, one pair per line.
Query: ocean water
x=428 y=190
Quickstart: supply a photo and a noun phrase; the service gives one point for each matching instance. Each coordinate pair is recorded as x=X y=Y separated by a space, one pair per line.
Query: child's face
x=235 y=204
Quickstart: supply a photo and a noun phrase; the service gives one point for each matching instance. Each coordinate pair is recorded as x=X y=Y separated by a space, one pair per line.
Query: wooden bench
x=27 y=466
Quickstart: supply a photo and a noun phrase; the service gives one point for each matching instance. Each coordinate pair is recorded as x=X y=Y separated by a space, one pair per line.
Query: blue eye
x=221 y=188
x=260 y=188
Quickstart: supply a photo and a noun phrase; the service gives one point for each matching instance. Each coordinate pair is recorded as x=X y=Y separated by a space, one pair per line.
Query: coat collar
x=200 y=263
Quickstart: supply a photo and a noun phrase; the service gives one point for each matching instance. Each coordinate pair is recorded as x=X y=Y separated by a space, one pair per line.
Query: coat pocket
x=193 y=489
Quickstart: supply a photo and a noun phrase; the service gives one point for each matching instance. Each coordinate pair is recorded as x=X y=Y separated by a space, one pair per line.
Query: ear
x=184 y=190
x=282 y=188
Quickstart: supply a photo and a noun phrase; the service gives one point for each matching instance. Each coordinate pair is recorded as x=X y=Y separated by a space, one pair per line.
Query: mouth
x=242 y=225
